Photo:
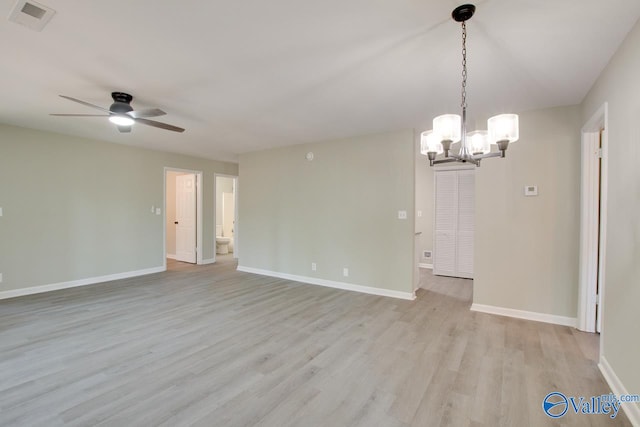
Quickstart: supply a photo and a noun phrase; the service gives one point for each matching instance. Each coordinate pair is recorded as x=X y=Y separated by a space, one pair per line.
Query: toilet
x=222 y=243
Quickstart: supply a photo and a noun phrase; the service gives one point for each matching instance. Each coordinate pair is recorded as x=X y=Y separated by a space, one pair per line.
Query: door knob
x=175 y=222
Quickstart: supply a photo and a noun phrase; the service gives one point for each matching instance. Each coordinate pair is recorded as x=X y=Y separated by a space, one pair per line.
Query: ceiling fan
x=122 y=114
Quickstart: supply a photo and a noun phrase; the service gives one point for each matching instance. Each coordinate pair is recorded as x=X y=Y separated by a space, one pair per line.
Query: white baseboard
x=527 y=315
x=208 y=261
x=75 y=283
x=423 y=265
x=631 y=409
x=171 y=256
x=331 y=284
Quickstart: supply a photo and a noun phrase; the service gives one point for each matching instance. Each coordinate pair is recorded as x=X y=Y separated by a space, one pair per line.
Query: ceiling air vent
x=31 y=14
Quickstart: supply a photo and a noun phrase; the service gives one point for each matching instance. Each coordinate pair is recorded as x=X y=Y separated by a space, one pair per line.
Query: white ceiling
x=244 y=75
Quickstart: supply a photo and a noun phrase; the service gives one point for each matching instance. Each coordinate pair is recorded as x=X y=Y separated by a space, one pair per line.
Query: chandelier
x=451 y=128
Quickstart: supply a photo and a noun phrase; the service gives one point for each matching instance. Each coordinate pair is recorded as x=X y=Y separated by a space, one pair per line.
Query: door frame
x=236 y=226
x=198 y=175
x=590 y=242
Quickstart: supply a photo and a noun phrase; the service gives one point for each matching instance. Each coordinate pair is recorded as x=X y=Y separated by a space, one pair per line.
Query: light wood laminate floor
x=210 y=346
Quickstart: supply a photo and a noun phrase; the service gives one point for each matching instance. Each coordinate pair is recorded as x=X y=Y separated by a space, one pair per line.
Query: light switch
x=0 y=211
x=153 y=209
x=402 y=214
x=419 y=214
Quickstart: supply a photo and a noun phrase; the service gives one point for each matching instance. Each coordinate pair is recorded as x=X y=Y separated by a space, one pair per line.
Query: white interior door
x=454 y=223
x=590 y=234
x=465 y=223
x=444 y=260
x=186 y=218
x=228 y=214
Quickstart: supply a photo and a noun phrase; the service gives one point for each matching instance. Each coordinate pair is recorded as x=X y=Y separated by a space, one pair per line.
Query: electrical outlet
x=402 y=214
x=419 y=214
x=158 y=211
x=153 y=209
x=345 y=272
x=0 y=211
x=313 y=266
x=0 y=277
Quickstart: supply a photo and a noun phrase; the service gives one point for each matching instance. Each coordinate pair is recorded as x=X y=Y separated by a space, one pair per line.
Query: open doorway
x=226 y=216
x=593 y=217
x=183 y=215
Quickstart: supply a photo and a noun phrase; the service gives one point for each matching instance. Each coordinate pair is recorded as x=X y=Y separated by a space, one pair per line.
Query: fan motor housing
x=121 y=102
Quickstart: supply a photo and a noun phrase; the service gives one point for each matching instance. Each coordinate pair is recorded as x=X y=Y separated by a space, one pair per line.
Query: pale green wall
x=526 y=248
x=76 y=208
x=424 y=203
x=339 y=210
x=619 y=86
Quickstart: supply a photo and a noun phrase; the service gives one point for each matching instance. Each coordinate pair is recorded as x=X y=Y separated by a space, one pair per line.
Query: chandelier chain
x=464 y=66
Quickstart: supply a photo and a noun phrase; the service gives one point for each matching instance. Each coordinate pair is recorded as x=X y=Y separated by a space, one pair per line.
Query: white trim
x=631 y=409
x=199 y=218
x=424 y=265
x=527 y=315
x=589 y=227
x=208 y=261
x=330 y=283
x=80 y=282
x=589 y=235
x=171 y=256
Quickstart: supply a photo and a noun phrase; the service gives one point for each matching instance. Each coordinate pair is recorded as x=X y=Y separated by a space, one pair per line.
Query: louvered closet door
x=465 y=223
x=454 y=223
x=444 y=261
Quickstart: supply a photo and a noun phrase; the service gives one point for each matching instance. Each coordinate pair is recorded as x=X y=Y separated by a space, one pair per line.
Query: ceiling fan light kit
x=503 y=129
x=123 y=115
x=121 y=120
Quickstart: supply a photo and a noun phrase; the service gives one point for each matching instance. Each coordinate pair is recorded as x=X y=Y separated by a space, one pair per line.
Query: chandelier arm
x=488 y=155
x=446 y=160
x=458 y=160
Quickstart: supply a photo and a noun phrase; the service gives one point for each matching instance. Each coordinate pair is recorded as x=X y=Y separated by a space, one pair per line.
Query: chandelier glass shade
x=448 y=129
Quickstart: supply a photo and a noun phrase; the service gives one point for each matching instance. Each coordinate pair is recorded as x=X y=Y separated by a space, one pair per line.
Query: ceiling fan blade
x=151 y=112
x=124 y=129
x=84 y=103
x=81 y=115
x=159 y=125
